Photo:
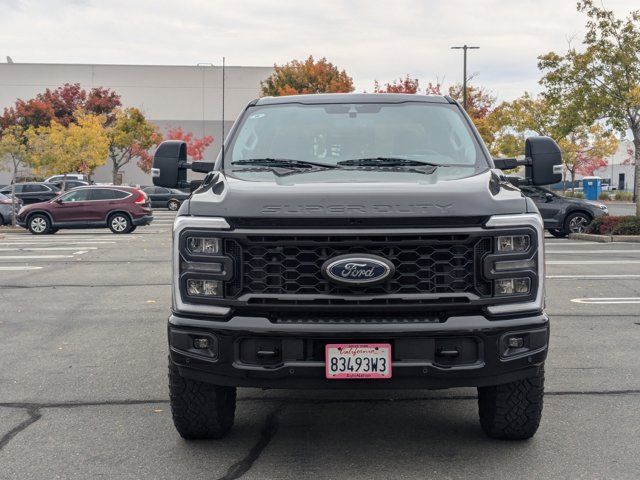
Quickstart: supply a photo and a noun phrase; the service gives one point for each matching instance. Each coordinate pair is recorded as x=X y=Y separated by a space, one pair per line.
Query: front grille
x=291 y=265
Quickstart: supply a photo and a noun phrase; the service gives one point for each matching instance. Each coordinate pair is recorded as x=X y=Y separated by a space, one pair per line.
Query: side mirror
x=544 y=161
x=169 y=164
x=58 y=200
x=549 y=197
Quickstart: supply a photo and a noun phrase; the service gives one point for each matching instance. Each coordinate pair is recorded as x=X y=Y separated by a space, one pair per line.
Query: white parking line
x=591 y=251
x=590 y=262
x=608 y=300
x=592 y=277
x=56 y=243
x=44 y=249
x=20 y=267
x=30 y=257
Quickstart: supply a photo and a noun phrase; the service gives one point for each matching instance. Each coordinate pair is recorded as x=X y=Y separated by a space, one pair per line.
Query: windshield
x=329 y=134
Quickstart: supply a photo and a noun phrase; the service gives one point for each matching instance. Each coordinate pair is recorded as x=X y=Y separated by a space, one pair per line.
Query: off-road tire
x=119 y=223
x=39 y=224
x=557 y=233
x=200 y=410
x=173 y=205
x=512 y=411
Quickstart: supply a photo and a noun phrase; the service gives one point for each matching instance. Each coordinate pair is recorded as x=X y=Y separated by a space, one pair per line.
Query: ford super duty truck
x=354 y=241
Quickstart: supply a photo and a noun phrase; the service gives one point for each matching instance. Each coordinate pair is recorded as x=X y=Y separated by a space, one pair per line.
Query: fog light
x=511 y=286
x=203 y=245
x=201 y=343
x=513 y=243
x=515 y=342
x=203 y=288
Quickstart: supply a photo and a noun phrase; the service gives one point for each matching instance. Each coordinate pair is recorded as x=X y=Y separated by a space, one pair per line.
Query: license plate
x=357 y=361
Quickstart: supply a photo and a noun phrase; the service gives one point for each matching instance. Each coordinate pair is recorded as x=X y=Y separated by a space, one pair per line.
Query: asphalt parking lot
x=83 y=380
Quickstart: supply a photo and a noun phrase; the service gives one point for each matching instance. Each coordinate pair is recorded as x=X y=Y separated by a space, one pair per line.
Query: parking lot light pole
x=464 y=48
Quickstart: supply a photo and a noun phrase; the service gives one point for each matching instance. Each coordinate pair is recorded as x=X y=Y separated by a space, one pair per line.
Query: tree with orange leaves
x=308 y=76
x=403 y=85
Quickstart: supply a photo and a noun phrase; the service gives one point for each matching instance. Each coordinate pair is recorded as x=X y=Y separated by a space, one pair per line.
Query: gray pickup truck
x=357 y=241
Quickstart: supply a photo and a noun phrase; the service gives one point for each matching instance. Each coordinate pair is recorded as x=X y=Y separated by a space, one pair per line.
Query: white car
x=70 y=176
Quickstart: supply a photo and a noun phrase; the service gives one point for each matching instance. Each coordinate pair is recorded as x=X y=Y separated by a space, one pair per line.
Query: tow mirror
x=543 y=161
x=170 y=166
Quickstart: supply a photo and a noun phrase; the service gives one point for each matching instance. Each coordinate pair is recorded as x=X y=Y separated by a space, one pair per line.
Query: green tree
x=602 y=81
x=308 y=76
x=13 y=155
x=80 y=147
x=130 y=137
x=584 y=147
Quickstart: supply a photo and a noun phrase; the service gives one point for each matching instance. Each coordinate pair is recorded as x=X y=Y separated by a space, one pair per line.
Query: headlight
x=512 y=286
x=200 y=267
x=513 y=243
x=517 y=266
x=203 y=245
x=204 y=288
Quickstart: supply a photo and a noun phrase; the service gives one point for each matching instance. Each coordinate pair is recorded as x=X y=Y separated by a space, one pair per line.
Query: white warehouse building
x=189 y=97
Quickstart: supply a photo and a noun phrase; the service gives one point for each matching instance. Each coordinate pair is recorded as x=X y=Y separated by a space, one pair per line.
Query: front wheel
x=577 y=223
x=119 y=223
x=173 y=205
x=39 y=224
x=200 y=410
x=512 y=411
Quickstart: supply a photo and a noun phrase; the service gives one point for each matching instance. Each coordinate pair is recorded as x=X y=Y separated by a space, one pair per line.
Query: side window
x=76 y=196
x=151 y=190
x=162 y=190
x=32 y=188
x=102 y=194
x=120 y=194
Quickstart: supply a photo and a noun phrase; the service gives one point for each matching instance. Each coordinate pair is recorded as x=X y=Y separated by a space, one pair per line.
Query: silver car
x=8 y=208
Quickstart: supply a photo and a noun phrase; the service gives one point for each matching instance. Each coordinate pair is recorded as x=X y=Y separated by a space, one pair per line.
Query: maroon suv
x=121 y=209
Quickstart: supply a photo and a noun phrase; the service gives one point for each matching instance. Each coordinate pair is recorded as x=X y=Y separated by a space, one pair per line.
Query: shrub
x=623 y=196
x=627 y=226
x=611 y=225
x=604 y=196
x=569 y=193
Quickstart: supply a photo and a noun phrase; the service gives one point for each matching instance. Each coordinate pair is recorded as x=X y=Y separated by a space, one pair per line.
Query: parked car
x=8 y=208
x=70 y=176
x=561 y=215
x=121 y=209
x=162 y=197
x=33 y=192
x=69 y=184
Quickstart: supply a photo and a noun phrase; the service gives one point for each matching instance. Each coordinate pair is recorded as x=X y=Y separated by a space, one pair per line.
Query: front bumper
x=297 y=359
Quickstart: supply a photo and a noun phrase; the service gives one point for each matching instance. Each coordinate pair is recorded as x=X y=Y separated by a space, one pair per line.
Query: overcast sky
x=370 y=39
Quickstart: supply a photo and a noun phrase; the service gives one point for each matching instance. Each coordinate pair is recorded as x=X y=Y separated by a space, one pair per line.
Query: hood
x=354 y=193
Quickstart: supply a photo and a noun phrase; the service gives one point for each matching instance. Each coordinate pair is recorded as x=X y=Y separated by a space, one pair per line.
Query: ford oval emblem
x=357 y=269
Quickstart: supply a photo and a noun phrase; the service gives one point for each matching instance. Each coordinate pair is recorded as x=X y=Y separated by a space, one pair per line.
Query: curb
x=605 y=238
x=12 y=230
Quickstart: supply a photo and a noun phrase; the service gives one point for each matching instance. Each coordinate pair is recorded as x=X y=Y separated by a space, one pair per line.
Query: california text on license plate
x=357 y=360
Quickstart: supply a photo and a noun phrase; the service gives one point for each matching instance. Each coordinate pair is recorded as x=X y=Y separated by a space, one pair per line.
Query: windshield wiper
x=282 y=162
x=387 y=162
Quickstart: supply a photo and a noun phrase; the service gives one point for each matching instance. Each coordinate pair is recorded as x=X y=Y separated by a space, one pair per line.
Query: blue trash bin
x=592 y=187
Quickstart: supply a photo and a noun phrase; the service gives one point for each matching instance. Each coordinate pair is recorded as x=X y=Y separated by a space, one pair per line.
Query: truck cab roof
x=352 y=98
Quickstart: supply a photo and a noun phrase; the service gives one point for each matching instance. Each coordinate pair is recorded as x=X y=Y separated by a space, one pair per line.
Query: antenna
x=223 y=71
